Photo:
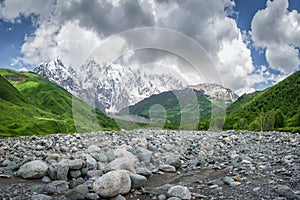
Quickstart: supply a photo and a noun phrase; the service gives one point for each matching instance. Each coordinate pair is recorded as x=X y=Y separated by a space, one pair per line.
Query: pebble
x=46 y=179
x=92 y=196
x=262 y=165
x=180 y=192
x=75 y=164
x=256 y=189
x=167 y=168
x=94 y=173
x=41 y=197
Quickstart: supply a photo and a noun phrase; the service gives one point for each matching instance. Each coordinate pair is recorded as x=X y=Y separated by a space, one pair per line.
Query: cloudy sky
x=252 y=43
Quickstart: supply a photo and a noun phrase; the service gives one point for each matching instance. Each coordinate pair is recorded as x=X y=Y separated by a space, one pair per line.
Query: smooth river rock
x=33 y=169
x=112 y=184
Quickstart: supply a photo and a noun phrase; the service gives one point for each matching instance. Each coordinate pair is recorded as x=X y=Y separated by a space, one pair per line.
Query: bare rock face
x=215 y=91
x=113 y=183
x=33 y=169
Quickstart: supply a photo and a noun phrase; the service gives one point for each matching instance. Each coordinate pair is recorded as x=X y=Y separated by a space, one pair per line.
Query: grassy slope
x=251 y=110
x=166 y=105
x=30 y=104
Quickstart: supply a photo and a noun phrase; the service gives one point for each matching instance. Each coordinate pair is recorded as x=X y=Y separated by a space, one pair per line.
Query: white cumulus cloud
x=72 y=29
x=277 y=29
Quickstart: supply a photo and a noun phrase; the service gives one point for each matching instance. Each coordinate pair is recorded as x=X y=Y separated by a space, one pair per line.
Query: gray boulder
x=144 y=155
x=52 y=171
x=76 y=164
x=174 y=161
x=79 y=192
x=122 y=153
x=62 y=170
x=143 y=171
x=123 y=163
x=56 y=187
x=91 y=163
x=75 y=173
x=33 y=169
x=93 y=148
x=137 y=181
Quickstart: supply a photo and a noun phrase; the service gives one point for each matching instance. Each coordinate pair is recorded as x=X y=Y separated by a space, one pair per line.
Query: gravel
x=152 y=164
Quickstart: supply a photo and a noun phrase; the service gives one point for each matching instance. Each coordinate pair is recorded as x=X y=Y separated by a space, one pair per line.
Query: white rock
x=112 y=184
x=180 y=192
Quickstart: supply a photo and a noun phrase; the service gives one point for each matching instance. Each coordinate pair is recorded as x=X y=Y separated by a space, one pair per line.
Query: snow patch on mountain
x=215 y=91
x=118 y=86
x=56 y=72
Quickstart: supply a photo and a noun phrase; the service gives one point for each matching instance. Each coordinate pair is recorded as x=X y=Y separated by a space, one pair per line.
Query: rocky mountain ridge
x=108 y=87
x=216 y=91
x=112 y=87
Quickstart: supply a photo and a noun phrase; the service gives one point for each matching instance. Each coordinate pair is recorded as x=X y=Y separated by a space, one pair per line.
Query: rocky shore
x=151 y=164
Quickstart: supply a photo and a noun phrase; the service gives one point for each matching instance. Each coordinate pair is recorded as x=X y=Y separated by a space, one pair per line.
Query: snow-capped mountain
x=216 y=91
x=118 y=86
x=111 y=87
x=108 y=87
x=56 y=72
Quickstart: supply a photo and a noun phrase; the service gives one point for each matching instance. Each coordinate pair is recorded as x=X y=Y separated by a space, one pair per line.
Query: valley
x=153 y=149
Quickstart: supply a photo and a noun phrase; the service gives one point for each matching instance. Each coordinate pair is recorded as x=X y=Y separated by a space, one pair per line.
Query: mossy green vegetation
x=32 y=105
x=276 y=108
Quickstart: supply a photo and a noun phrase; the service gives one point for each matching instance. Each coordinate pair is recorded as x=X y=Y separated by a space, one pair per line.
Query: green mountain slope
x=9 y=93
x=277 y=107
x=181 y=109
x=30 y=104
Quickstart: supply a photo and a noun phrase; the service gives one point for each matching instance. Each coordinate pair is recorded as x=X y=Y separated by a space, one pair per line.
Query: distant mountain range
x=112 y=88
x=107 y=87
x=30 y=104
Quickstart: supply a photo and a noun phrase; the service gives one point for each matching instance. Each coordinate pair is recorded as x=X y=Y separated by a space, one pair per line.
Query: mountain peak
x=56 y=72
x=216 y=91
